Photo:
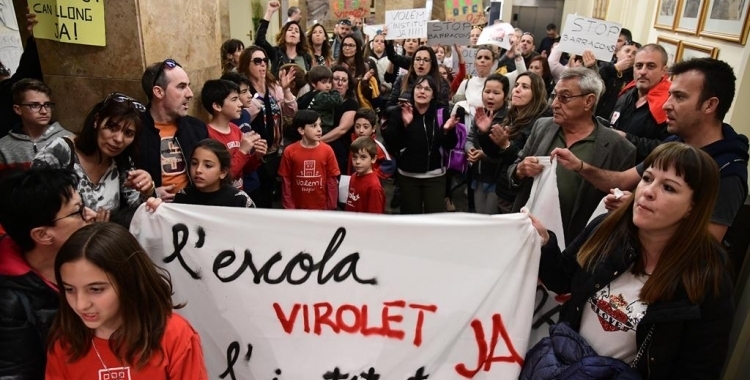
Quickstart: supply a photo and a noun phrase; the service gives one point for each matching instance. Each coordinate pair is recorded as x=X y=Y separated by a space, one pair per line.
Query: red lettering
x=420 y=320
x=368 y=331
x=387 y=319
x=306 y=318
x=287 y=323
x=325 y=318
x=487 y=354
x=353 y=328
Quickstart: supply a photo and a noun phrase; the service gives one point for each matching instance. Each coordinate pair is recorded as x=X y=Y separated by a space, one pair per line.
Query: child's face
x=362 y=127
x=245 y=96
x=232 y=107
x=91 y=295
x=206 y=170
x=362 y=162
x=323 y=85
x=39 y=117
x=311 y=132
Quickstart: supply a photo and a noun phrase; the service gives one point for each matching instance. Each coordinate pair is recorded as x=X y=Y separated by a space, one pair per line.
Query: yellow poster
x=70 y=21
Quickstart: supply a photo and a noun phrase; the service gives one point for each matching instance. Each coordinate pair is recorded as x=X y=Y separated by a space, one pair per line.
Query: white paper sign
x=372 y=30
x=301 y=294
x=448 y=33
x=469 y=54
x=407 y=23
x=583 y=33
x=497 y=34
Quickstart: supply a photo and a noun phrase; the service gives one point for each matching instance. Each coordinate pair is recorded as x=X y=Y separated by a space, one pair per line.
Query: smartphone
x=402 y=100
x=460 y=113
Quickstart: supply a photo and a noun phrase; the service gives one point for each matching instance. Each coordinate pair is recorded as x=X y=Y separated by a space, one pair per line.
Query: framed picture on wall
x=726 y=20
x=666 y=14
x=672 y=46
x=600 y=9
x=689 y=50
x=689 y=16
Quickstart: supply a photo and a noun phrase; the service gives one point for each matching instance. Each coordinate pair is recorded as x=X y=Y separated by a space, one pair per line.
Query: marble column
x=139 y=33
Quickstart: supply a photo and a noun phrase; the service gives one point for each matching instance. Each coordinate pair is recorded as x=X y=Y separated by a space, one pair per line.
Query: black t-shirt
x=227 y=196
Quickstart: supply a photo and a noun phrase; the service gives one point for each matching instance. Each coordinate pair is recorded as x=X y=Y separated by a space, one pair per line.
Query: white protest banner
x=583 y=33
x=497 y=34
x=313 y=294
x=544 y=204
x=448 y=33
x=469 y=54
x=406 y=23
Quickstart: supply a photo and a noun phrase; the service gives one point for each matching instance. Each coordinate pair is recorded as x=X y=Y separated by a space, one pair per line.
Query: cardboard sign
x=583 y=33
x=448 y=33
x=70 y=21
x=498 y=35
x=471 y=11
x=407 y=23
x=314 y=294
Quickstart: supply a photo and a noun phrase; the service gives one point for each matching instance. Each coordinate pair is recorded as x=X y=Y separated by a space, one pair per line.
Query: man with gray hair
x=293 y=14
x=574 y=127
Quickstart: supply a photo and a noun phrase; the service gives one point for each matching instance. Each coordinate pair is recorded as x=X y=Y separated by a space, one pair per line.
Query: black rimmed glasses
x=167 y=63
x=422 y=60
x=122 y=98
x=81 y=212
x=36 y=107
x=565 y=98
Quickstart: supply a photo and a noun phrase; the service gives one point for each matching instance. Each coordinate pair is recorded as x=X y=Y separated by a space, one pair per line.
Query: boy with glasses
x=31 y=101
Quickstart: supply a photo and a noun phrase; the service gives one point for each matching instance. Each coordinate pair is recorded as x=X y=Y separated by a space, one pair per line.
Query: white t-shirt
x=611 y=316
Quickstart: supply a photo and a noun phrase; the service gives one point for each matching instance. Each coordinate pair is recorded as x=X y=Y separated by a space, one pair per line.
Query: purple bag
x=455 y=159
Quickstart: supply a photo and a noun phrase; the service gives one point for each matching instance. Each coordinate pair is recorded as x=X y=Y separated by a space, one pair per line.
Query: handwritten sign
x=70 y=21
x=407 y=23
x=469 y=55
x=345 y=8
x=471 y=11
x=448 y=33
x=497 y=34
x=583 y=33
x=317 y=300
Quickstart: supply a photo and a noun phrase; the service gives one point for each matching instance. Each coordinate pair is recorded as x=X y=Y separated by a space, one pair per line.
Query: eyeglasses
x=422 y=60
x=340 y=79
x=527 y=34
x=345 y=22
x=122 y=98
x=564 y=99
x=423 y=88
x=349 y=45
x=167 y=63
x=36 y=107
x=81 y=212
x=257 y=61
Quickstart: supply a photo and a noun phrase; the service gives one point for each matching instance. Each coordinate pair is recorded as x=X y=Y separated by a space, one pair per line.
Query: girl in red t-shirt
x=116 y=315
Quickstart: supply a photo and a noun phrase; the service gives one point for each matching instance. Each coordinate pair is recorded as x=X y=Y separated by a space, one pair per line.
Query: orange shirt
x=174 y=164
x=182 y=359
x=309 y=171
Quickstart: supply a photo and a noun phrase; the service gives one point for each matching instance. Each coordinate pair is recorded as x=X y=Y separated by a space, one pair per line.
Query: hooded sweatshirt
x=17 y=149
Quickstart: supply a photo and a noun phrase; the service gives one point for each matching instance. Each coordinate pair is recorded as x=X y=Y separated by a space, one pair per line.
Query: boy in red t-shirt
x=364 y=125
x=365 y=191
x=309 y=169
x=221 y=99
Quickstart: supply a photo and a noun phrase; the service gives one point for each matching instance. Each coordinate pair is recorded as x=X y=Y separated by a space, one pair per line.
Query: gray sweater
x=17 y=149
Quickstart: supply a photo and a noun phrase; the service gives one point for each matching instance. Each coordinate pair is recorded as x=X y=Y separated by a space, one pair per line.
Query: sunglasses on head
x=122 y=98
x=345 y=22
x=257 y=61
x=632 y=43
x=167 y=63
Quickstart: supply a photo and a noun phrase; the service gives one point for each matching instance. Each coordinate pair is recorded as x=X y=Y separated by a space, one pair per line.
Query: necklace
x=99 y=355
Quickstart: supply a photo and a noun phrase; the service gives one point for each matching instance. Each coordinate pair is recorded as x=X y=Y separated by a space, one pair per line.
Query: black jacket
x=277 y=55
x=419 y=145
x=442 y=100
x=614 y=82
x=190 y=131
x=689 y=340
x=646 y=134
x=27 y=308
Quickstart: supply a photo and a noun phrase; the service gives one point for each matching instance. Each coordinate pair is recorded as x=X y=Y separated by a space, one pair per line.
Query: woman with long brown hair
x=272 y=99
x=649 y=284
x=105 y=279
x=291 y=45
x=319 y=46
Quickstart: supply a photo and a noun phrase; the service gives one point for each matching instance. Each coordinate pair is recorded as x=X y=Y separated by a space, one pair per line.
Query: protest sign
x=345 y=8
x=583 y=33
x=469 y=54
x=302 y=294
x=70 y=21
x=10 y=40
x=448 y=33
x=498 y=35
x=471 y=11
x=372 y=30
x=407 y=23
